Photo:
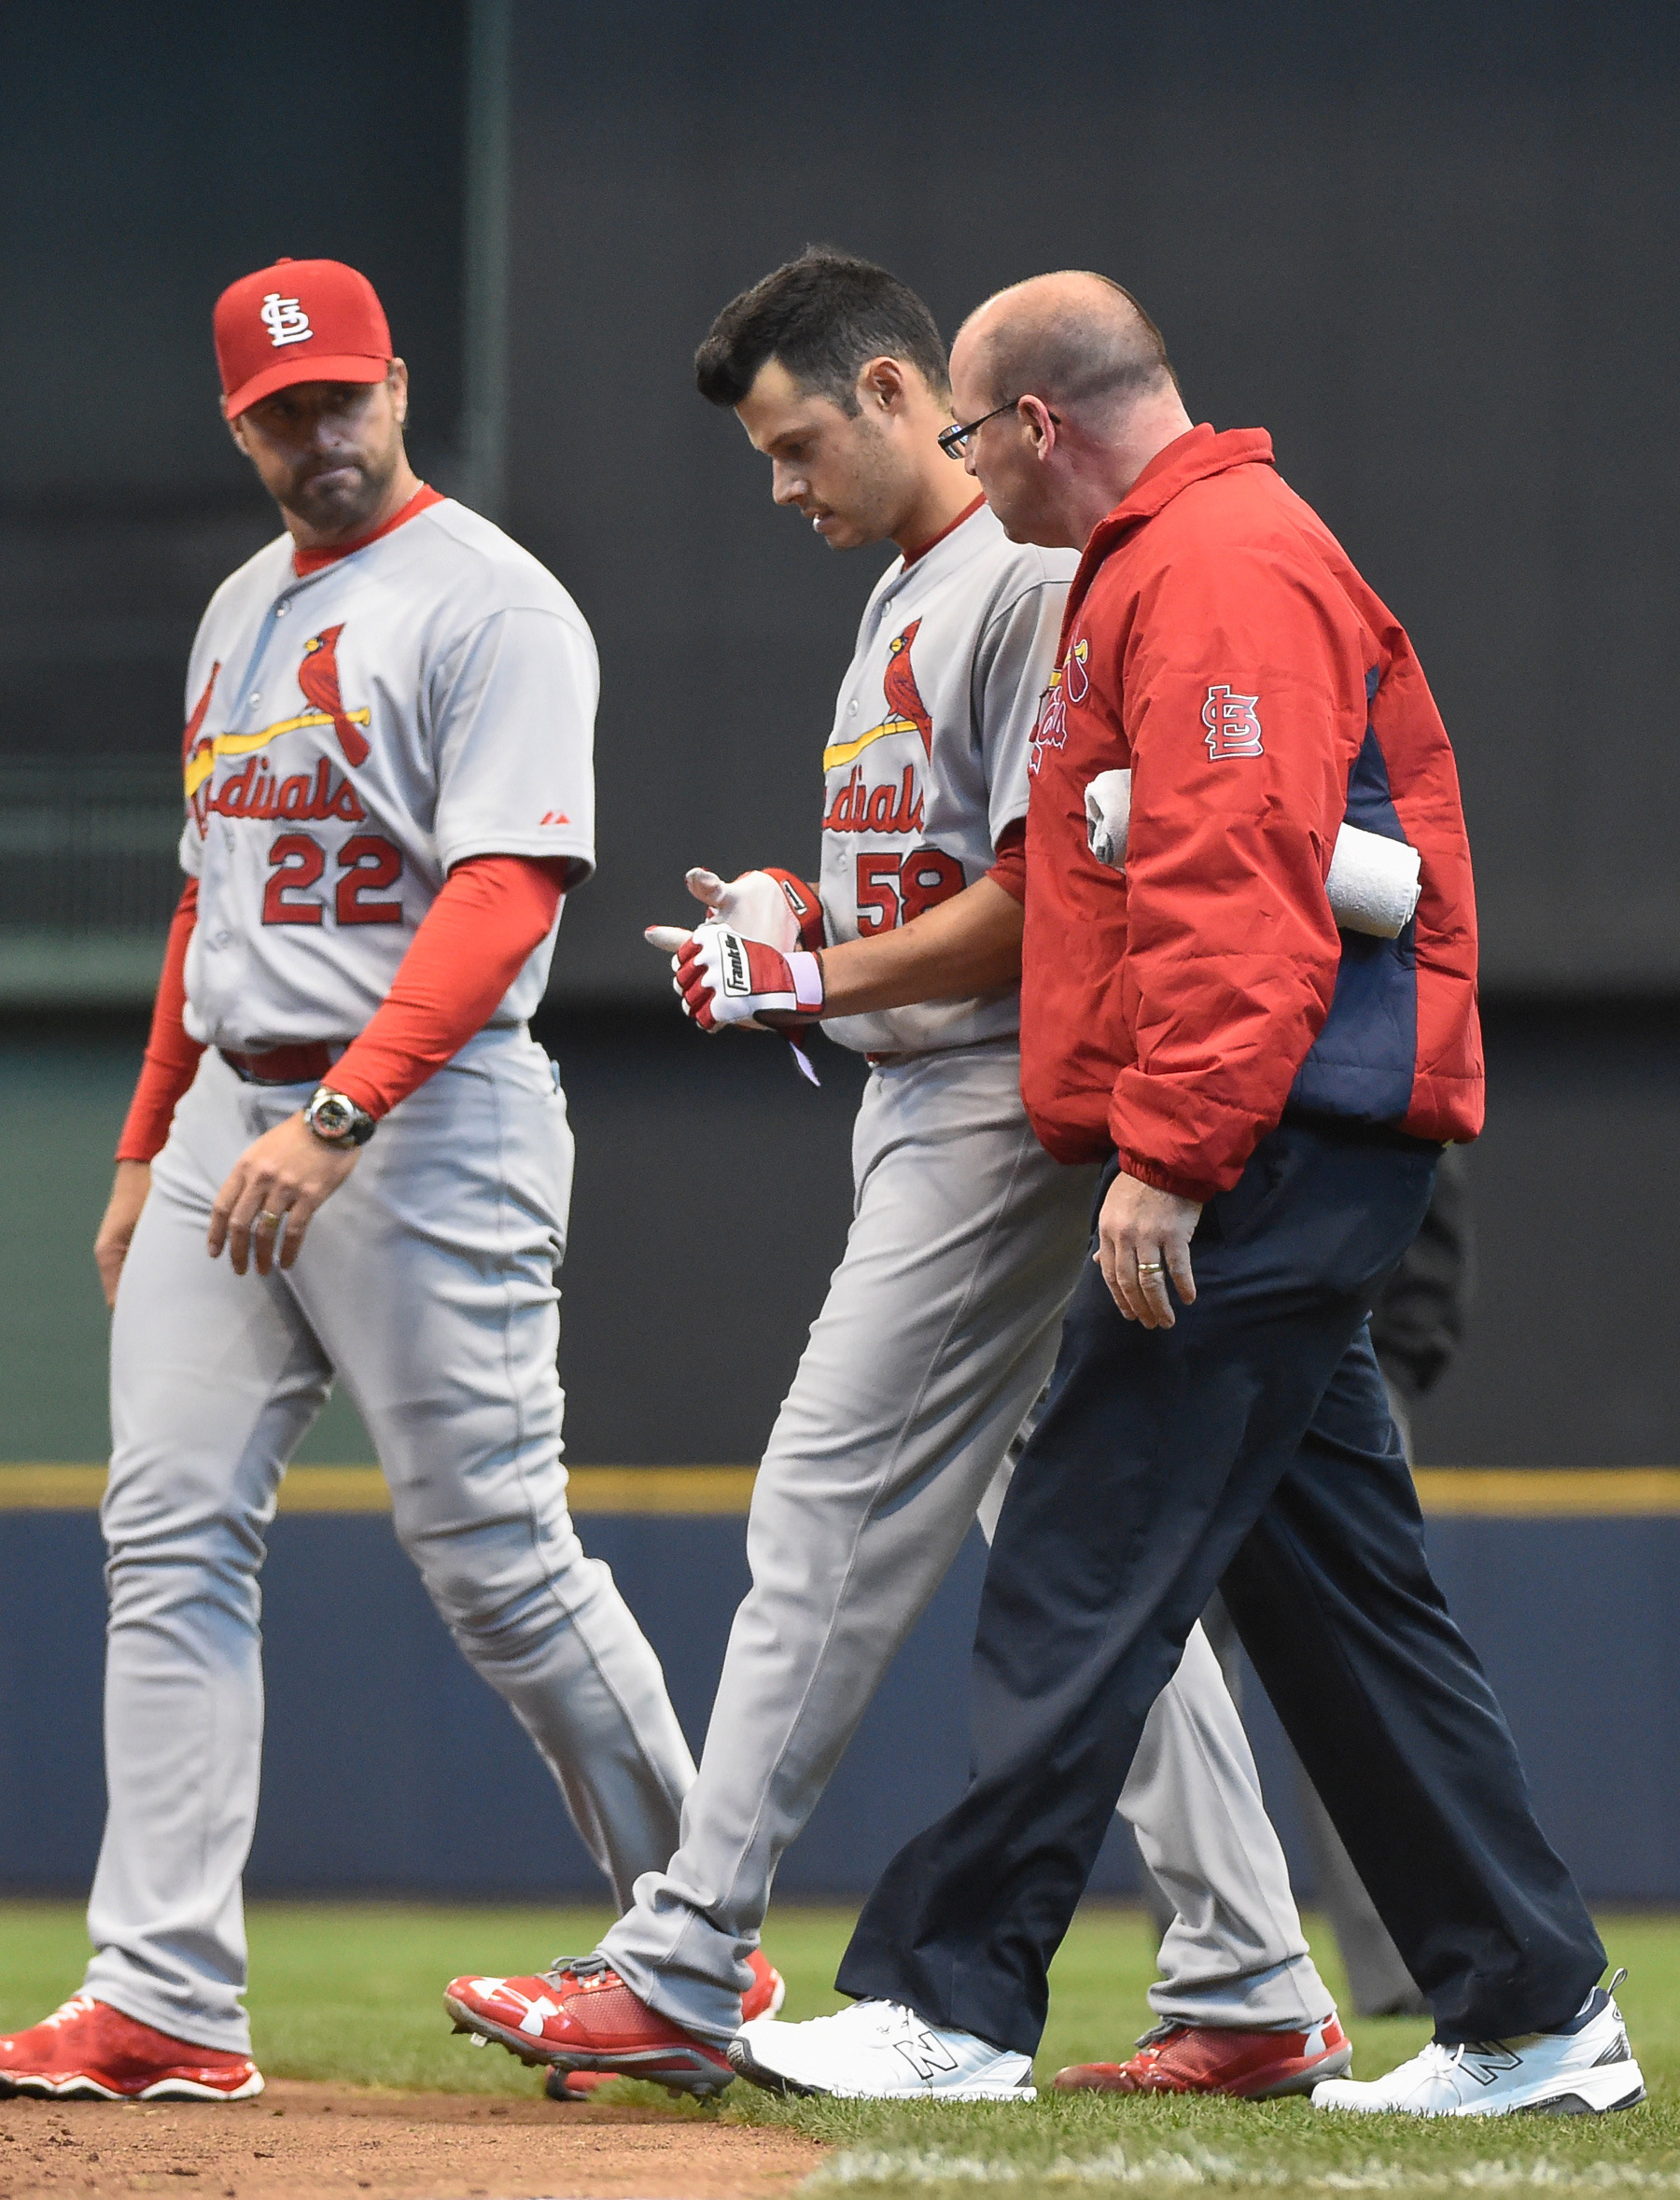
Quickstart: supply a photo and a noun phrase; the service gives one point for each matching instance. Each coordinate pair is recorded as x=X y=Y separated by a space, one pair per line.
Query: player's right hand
x=117 y=1230
x=725 y=978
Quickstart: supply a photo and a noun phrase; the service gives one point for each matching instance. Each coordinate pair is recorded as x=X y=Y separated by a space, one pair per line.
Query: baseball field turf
x=346 y=1996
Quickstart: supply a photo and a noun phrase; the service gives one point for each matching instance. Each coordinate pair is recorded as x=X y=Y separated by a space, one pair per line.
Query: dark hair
x=824 y=315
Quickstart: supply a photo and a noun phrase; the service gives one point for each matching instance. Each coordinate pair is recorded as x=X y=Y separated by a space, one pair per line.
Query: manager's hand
x=271 y=1191
x=1143 y=1238
x=111 y=1247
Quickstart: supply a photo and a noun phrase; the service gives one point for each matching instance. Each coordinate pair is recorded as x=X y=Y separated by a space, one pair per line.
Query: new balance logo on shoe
x=1587 y=2070
x=927 y=2055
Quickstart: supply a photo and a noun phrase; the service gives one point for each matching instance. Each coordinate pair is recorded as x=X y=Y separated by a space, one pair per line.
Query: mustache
x=314 y=469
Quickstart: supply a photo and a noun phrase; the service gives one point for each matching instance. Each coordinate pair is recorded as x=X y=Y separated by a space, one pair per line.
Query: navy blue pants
x=1249 y=1447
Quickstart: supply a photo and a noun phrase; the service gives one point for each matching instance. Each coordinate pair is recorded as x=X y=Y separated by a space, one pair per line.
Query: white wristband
x=807 y=979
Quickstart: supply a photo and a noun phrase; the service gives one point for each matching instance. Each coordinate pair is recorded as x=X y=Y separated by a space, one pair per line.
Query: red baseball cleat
x=767 y=1992
x=89 y=2051
x=1208 y=2058
x=576 y=2085
x=580 y=2015
x=763 y=1999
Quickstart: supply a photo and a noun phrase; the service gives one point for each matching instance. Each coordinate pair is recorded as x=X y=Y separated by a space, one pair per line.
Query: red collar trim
x=306 y=562
x=922 y=549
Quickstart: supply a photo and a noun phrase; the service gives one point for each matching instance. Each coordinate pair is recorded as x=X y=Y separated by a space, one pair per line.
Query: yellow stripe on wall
x=1548 y=1493
x=1508 y=1492
x=362 y=1489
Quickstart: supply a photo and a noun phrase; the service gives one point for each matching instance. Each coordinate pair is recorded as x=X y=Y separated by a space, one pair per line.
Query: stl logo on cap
x=299 y=320
x=285 y=319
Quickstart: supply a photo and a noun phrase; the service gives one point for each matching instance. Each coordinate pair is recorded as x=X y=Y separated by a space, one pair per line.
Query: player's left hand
x=724 y=978
x=286 y=1174
x=1144 y=1238
x=769 y=905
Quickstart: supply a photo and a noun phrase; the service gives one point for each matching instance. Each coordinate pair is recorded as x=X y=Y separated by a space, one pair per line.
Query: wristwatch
x=337 y=1121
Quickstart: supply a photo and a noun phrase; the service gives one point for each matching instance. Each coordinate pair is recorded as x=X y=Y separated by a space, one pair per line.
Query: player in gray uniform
x=389 y=780
x=942 y=1321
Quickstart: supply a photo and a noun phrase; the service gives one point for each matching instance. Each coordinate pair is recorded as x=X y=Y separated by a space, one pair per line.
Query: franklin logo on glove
x=736 y=977
x=723 y=977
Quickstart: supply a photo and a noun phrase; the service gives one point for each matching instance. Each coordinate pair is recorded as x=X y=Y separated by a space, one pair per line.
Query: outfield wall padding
x=389 y=1765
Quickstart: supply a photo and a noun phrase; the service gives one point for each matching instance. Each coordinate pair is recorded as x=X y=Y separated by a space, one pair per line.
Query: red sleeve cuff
x=1147 y=1172
x=171 y=1058
x=1010 y=868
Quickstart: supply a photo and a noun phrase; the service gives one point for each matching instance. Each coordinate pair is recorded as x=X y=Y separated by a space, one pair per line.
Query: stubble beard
x=878 y=493
x=341 y=509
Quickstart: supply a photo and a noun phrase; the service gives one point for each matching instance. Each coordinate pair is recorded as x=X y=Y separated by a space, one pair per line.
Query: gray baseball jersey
x=353 y=734
x=927 y=762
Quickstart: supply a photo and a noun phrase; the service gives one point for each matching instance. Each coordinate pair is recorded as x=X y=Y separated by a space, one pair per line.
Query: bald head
x=1066 y=393
x=1078 y=341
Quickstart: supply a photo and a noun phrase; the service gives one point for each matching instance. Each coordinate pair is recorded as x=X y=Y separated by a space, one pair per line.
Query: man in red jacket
x=1281 y=1091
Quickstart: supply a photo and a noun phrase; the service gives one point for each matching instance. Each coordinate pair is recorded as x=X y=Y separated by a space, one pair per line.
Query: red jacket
x=1219 y=642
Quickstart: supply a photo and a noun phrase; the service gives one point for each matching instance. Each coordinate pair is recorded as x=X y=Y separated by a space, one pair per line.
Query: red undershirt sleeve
x=1010 y=869
x=172 y=1059
x=469 y=947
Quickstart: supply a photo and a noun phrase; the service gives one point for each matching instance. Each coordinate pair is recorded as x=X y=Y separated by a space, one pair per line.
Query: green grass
x=350 y=1992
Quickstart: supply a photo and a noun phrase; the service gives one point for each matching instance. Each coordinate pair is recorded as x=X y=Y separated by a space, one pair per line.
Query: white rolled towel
x=1374 y=882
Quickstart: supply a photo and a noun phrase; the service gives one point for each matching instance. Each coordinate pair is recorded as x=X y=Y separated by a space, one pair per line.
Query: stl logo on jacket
x=1233 y=729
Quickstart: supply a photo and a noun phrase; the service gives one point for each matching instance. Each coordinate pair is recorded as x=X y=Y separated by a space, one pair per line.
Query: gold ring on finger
x=1151 y=1267
x=267 y=1220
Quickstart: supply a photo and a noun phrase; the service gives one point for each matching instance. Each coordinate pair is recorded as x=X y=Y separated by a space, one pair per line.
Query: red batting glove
x=724 y=978
x=805 y=903
x=769 y=905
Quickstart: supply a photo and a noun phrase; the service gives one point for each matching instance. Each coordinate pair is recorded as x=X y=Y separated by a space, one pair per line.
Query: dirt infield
x=299 y=2141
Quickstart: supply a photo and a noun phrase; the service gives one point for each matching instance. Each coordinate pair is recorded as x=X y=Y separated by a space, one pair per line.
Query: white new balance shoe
x=1584 y=2071
x=878 y=2051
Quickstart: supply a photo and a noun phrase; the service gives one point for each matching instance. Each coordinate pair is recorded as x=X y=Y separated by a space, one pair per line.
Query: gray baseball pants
x=428 y=1281
x=938 y=1333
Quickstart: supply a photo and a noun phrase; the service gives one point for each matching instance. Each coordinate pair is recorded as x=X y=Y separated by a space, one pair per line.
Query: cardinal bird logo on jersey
x=254 y=789
x=896 y=806
x=910 y=714
x=190 y=737
x=317 y=676
x=1070 y=683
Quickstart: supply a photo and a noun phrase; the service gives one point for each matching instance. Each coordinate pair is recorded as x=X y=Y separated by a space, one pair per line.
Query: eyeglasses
x=953 y=440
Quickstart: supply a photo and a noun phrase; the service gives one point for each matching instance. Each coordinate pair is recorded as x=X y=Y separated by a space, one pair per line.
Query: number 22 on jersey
x=367 y=864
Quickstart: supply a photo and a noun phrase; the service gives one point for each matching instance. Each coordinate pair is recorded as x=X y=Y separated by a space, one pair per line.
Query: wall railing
x=89 y=875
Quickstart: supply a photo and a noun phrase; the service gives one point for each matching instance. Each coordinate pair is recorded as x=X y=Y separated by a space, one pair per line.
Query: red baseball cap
x=301 y=320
